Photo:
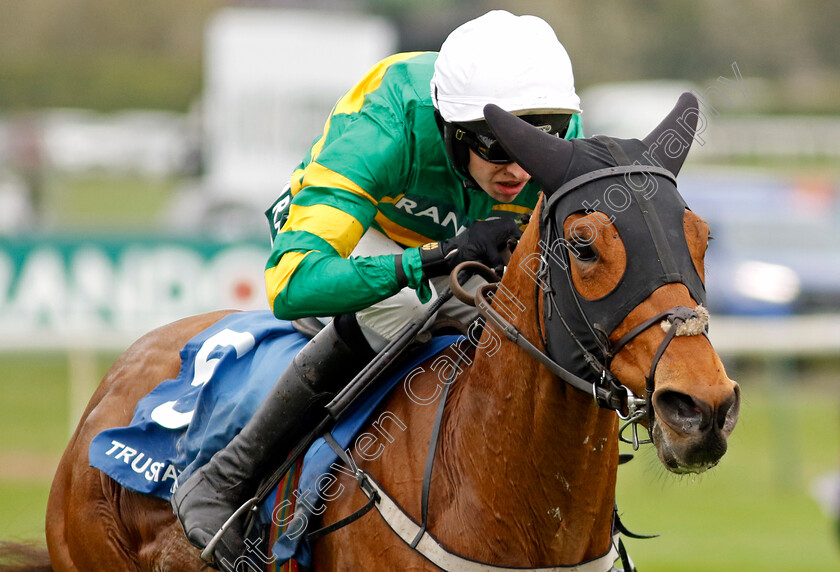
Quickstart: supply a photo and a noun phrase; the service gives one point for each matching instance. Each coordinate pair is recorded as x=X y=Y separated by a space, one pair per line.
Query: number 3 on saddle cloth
x=226 y=372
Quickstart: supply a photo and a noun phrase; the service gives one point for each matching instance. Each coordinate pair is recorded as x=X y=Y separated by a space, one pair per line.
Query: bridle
x=607 y=391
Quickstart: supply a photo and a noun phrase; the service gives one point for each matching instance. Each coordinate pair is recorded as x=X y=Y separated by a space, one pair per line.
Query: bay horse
x=525 y=461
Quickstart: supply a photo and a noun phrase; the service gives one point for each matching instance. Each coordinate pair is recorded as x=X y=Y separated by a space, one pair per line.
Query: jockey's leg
x=454 y=308
x=211 y=495
x=383 y=321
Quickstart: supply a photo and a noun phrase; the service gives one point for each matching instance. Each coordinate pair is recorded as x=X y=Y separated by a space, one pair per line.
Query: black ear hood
x=545 y=157
x=669 y=143
x=631 y=181
x=548 y=159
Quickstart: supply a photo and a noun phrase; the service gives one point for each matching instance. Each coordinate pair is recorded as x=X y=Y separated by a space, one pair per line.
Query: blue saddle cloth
x=226 y=372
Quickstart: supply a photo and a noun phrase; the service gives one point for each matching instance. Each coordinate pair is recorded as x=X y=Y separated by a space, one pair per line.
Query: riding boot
x=211 y=495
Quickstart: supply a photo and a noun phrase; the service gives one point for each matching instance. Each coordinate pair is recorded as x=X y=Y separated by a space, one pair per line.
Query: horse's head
x=622 y=271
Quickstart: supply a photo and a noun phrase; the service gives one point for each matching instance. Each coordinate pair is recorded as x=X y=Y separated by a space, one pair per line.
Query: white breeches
x=382 y=322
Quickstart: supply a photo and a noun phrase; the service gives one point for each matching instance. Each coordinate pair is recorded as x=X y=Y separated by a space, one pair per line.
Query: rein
x=657 y=260
x=606 y=396
x=607 y=391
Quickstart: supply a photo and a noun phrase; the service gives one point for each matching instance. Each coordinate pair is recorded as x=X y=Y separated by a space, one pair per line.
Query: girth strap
x=365 y=486
x=418 y=538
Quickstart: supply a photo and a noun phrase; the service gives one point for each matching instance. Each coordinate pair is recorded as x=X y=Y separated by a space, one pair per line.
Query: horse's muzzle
x=691 y=434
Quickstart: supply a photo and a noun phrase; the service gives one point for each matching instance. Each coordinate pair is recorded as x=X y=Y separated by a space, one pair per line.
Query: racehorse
x=504 y=455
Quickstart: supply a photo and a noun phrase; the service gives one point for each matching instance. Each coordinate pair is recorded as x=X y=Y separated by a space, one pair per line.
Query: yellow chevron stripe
x=392 y=200
x=316 y=175
x=399 y=234
x=340 y=229
x=353 y=100
x=277 y=277
x=297 y=181
x=512 y=208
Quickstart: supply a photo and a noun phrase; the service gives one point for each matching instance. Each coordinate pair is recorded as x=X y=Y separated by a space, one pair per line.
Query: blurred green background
x=98 y=55
x=757 y=511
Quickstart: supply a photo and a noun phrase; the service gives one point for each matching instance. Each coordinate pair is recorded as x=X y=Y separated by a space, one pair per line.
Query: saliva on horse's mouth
x=691 y=469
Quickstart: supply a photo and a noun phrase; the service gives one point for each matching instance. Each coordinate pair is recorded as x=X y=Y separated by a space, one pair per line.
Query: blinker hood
x=625 y=180
x=647 y=210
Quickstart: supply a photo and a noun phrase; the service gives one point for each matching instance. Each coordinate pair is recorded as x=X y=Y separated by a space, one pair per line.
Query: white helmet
x=515 y=62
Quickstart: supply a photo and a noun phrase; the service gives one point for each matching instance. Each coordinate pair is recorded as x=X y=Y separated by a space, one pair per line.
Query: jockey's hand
x=483 y=242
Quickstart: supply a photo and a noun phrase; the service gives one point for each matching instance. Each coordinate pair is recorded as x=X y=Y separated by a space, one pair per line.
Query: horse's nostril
x=727 y=414
x=682 y=412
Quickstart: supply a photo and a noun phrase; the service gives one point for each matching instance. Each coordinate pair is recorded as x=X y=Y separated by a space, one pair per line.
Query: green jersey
x=380 y=163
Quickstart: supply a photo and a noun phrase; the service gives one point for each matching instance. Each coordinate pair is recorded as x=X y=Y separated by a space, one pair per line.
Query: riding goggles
x=478 y=136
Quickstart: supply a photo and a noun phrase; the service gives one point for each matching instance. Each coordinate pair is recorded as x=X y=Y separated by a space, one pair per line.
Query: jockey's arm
x=314 y=283
x=309 y=272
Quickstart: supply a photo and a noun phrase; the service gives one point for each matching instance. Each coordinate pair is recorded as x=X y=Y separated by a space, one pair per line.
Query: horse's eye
x=584 y=252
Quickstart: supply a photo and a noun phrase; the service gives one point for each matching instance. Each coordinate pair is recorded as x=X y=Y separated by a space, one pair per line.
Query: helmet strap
x=456 y=151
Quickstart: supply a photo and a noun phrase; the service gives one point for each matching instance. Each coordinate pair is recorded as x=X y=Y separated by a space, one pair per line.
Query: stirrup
x=209 y=552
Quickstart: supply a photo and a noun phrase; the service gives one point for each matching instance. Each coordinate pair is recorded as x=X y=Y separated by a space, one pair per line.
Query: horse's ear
x=545 y=157
x=672 y=138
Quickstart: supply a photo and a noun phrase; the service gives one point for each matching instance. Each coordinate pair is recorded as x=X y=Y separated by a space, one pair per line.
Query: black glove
x=483 y=242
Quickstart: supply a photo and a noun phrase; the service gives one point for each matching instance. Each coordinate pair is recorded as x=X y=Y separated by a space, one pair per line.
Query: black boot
x=211 y=495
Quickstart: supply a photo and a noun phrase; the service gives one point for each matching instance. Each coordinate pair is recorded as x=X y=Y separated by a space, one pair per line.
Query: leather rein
x=607 y=391
x=417 y=536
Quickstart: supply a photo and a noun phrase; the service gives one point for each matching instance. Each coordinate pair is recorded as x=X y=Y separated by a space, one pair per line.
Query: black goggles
x=477 y=135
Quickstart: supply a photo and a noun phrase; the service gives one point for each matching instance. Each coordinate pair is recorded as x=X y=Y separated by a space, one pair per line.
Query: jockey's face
x=502 y=182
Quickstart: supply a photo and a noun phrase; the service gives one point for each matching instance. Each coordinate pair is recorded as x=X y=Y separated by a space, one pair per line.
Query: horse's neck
x=526 y=458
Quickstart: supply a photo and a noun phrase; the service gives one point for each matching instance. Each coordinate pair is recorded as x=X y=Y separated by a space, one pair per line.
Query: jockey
x=405 y=182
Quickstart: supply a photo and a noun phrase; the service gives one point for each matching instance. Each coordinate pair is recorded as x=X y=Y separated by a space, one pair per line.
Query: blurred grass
x=34 y=430
x=753 y=512
x=33 y=415
x=22 y=509
x=105 y=82
x=97 y=55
